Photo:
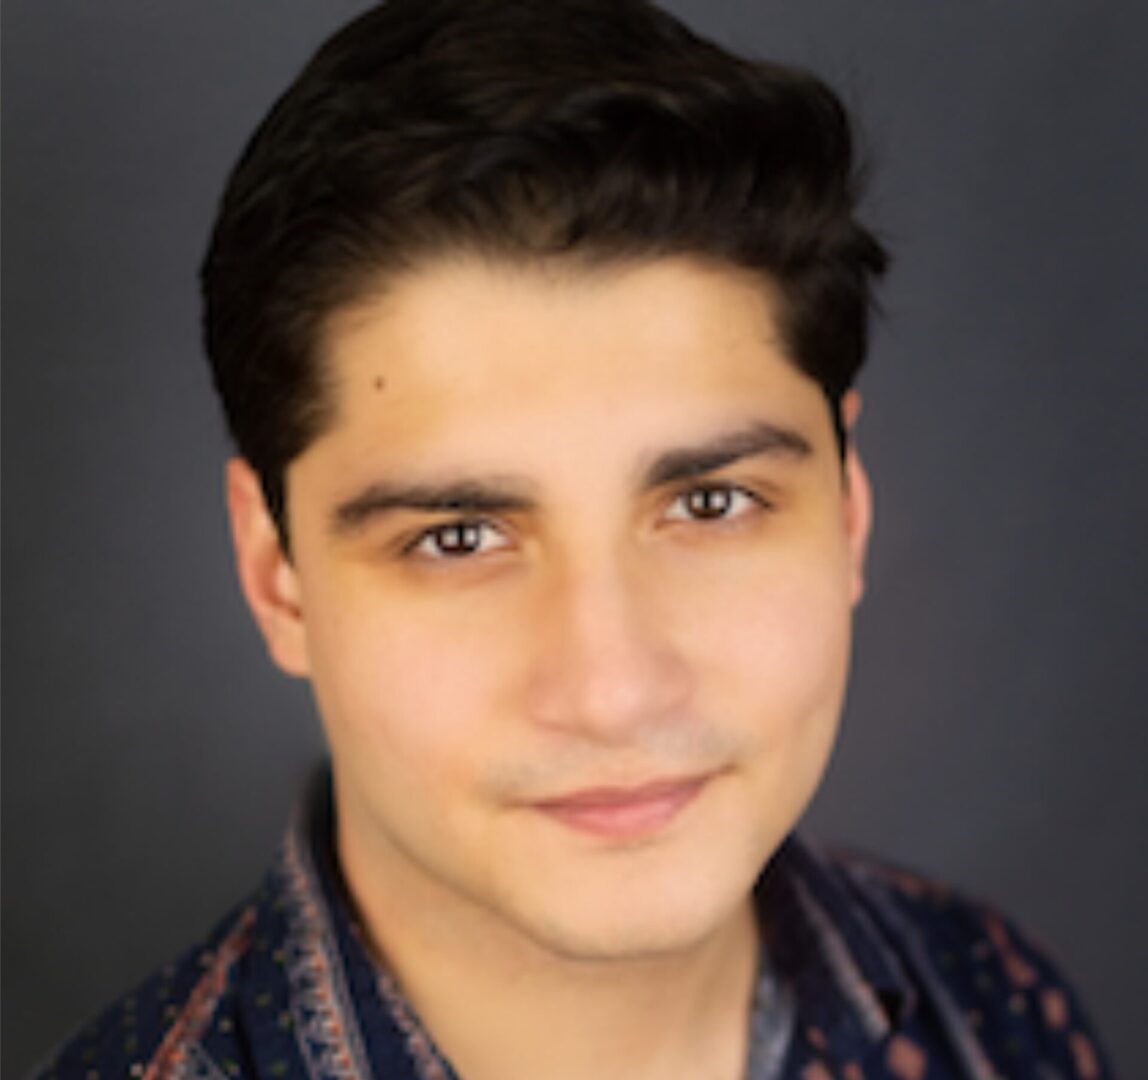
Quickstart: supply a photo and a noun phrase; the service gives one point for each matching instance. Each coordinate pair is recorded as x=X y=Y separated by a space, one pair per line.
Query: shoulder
x=148 y=1030
x=987 y=976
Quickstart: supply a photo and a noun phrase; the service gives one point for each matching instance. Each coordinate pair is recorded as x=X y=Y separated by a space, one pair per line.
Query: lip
x=624 y=813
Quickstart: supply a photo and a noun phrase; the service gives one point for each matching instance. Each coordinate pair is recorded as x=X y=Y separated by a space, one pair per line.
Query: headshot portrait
x=581 y=539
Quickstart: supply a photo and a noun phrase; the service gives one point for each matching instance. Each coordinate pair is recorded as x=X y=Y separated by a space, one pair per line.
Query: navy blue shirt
x=873 y=973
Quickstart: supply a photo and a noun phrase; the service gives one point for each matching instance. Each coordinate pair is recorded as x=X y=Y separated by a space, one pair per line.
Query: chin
x=642 y=912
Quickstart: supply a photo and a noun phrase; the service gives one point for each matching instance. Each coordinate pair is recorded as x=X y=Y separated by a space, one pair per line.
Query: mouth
x=624 y=813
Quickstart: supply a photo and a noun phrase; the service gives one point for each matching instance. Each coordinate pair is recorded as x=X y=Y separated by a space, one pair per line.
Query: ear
x=858 y=499
x=266 y=575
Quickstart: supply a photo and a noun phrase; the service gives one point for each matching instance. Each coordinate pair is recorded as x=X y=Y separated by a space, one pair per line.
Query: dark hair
x=593 y=130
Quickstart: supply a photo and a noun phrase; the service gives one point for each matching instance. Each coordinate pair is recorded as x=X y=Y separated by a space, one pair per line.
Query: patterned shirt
x=872 y=974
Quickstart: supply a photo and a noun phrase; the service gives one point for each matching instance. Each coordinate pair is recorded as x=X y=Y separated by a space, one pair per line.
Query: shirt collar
x=849 y=984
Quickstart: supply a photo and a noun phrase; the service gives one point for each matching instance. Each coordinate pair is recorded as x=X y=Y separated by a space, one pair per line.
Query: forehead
x=469 y=325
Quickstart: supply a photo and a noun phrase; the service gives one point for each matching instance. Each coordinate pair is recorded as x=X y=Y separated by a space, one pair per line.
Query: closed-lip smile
x=624 y=813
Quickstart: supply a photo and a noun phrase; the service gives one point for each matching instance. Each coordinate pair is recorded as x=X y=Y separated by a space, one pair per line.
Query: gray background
x=995 y=734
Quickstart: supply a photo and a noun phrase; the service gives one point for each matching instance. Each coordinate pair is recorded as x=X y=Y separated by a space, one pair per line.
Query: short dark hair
x=586 y=130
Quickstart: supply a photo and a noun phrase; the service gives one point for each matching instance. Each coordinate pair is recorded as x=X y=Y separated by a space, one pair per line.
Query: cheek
x=776 y=641
x=403 y=686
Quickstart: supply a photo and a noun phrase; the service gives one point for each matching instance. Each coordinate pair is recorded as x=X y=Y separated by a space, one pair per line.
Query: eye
x=713 y=502
x=456 y=540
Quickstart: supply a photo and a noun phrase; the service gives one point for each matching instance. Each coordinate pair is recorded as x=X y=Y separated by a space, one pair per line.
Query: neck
x=502 y=1007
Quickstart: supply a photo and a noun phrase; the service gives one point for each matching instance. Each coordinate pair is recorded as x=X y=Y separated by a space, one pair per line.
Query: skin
x=622 y=612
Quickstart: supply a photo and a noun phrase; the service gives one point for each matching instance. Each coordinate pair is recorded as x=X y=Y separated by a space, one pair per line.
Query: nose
x=606 y=666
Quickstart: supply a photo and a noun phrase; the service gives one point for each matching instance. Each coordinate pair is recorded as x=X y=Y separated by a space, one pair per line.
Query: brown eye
x=713 y=502
x=456 y=540
x=709 y=502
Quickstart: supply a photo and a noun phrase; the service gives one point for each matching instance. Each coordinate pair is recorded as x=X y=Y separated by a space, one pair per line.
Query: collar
x=828 y=943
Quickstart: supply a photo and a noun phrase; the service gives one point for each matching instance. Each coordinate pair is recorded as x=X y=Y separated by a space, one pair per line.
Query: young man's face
x=572 y=573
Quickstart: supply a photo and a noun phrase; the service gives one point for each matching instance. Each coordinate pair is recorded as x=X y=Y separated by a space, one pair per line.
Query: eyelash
x=428 y=543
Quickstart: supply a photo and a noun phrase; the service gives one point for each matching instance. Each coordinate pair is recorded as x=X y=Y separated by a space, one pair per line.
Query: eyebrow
x=460 y=497
x=759 y=438
x=501 y=496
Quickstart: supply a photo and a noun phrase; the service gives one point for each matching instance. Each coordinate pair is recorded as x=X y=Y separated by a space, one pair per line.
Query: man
x=536 y=326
